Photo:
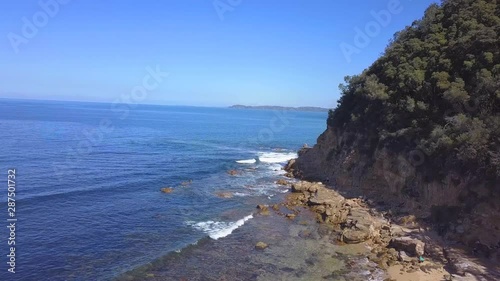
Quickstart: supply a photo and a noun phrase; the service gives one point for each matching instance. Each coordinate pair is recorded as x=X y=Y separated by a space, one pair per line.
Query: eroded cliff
x=420 y=128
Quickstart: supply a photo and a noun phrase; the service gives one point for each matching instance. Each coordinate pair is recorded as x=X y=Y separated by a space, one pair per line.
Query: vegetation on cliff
x=436 y=90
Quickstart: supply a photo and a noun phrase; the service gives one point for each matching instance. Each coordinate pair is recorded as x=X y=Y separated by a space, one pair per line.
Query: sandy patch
x=397 y=272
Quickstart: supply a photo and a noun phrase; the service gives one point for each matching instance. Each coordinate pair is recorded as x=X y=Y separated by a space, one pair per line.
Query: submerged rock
x=186 y=183
x=263 y=210
x=233 y=172
x=224 y=194
x=261 y=246
x=167 y=190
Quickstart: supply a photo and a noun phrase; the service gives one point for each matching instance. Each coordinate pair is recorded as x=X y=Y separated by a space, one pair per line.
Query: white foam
x=240 y=194
x=249 y=161
x=217 y=229
x=276 y=157
x=275 y=167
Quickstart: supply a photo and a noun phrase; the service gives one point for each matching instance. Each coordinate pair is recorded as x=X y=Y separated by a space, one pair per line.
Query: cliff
x=420 y=128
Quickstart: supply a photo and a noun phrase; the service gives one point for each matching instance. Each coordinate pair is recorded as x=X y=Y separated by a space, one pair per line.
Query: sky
x=216 y=52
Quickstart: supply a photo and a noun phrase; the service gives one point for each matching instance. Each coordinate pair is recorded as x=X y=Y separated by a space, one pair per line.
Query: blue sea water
x=88 y=180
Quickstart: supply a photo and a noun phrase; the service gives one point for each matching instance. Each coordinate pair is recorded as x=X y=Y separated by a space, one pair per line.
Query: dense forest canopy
x=435 y=89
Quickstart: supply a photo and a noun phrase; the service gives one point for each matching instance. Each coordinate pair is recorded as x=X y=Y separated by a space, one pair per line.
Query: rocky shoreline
x=315 y=232
x=281 y=242
x=407 y=248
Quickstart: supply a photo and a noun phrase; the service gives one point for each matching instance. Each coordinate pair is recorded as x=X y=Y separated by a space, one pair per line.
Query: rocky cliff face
x=420 y=127
x=461 y=207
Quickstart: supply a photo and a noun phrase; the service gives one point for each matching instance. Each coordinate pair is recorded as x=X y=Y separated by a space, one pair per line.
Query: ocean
x=88 y=180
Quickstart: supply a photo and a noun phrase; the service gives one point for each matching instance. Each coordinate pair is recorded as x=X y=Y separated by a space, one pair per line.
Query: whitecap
x=249 y=161
x=275 y=157
x=275 y=167
x=217 y=229
x=240 y=194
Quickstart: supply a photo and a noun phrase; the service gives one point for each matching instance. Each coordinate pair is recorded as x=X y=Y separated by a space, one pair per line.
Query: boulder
x=353 y=236
x=282 y=182
x=403 y=257
x=409 y=245
x=409 y=220
x=325 y=196
x=304 y=186
x=398 y=231
x=263 y=207
x=313 y=188
x=460 y=263
x=290 y=165
x=300 y=187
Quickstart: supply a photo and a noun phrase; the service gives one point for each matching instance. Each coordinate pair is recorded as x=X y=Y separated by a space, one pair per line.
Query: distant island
x=272 y=107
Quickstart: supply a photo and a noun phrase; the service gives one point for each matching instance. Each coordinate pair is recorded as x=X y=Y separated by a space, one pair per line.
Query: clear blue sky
x=277 y=52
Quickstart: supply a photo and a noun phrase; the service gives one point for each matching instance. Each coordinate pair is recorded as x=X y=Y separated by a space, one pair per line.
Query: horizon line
x=160 y=104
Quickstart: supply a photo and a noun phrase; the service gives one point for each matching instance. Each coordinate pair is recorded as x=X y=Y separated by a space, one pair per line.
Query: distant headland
x=272 y=107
